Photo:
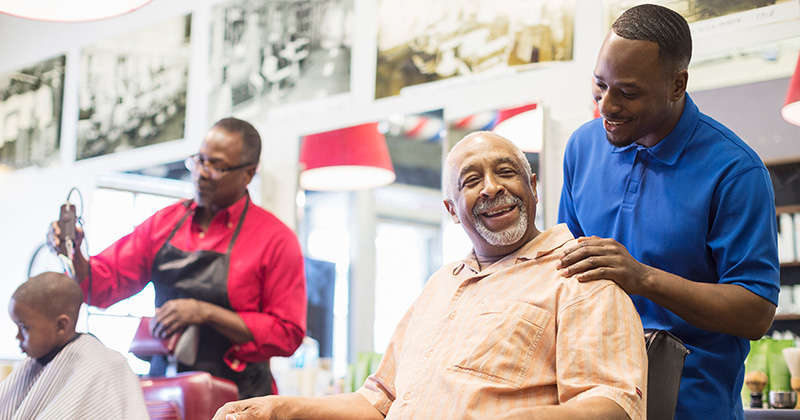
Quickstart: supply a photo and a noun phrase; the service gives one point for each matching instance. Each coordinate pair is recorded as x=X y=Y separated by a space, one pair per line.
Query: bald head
x=52 y=294
x=465 y=144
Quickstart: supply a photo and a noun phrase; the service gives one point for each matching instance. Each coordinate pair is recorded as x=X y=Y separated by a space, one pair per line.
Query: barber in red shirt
x=218 y=261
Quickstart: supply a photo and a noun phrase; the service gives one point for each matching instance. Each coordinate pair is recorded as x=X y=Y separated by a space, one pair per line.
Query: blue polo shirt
x=700 y=205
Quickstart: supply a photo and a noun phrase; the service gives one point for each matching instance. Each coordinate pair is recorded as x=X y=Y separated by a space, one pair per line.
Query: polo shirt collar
x=670 y=148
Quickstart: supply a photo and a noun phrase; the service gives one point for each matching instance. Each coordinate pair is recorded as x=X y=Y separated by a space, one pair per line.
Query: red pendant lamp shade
x=791 y=108
x=351 y=158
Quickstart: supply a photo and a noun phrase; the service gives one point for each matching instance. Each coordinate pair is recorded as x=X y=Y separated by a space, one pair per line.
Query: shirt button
x=429 y=354
x=202 y=235
x=452 y=315
x=230 y=225
x=237 y=348
x=407 y=396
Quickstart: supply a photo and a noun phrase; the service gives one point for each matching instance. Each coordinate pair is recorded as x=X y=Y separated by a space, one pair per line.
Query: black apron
x=203 y=275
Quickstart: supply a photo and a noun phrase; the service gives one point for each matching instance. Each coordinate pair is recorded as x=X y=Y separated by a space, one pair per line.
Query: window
x=118 y=206
x=405 y=256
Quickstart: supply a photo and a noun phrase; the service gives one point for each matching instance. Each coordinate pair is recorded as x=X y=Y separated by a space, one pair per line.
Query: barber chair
x=665 y=356
x=179 y=396
x=197 y=395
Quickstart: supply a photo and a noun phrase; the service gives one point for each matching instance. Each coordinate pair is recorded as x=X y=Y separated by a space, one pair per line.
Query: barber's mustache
x=503 y=200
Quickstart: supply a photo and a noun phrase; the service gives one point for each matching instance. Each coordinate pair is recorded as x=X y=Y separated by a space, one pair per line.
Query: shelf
x=793 y=208
x=785 y=178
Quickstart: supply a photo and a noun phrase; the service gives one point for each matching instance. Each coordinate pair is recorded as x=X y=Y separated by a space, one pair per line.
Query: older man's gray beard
x=505 y=237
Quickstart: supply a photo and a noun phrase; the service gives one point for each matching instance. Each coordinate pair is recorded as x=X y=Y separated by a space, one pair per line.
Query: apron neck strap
x=187 y=203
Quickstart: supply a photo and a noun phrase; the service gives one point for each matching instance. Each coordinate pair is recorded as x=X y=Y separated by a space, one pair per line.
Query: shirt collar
x=47 y=358
x=543 y=244
x=228 y=214
x=670 y=148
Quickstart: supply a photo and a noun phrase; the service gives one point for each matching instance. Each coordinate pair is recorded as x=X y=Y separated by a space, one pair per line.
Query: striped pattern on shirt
x=85 y=380
x=515 y=334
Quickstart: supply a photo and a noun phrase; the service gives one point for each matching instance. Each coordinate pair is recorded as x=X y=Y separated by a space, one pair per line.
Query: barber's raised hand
x=594 y=258
x=259 y=408
x=54 y=237
x=79 y=262
x=176 y=314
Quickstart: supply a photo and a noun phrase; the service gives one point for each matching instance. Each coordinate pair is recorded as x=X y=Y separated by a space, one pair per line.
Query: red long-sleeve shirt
x=266 y=280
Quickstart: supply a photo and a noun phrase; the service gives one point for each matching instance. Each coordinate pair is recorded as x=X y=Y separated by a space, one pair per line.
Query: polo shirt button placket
x=636 y=175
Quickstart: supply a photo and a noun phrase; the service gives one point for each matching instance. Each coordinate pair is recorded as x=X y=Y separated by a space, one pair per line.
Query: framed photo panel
x=132 y=89
x=30 y=114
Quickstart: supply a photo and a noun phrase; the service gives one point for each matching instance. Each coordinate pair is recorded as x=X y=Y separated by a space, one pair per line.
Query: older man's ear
x=450 y=206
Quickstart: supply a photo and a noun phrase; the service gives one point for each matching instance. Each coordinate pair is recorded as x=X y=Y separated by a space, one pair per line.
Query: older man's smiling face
x=493 y=196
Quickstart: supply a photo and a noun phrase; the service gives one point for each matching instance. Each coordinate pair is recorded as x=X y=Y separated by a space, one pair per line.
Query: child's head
x=45 y=309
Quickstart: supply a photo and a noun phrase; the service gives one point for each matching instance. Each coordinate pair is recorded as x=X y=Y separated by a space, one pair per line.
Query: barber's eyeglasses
x=195 y=162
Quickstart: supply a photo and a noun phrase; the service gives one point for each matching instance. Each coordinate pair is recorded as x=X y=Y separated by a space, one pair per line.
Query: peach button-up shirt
x=514 y=334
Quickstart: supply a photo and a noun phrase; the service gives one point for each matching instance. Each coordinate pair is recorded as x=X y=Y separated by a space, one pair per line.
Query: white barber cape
x=85 y=380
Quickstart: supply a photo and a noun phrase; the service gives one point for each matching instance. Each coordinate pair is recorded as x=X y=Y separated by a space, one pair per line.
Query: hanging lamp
x=352 y=158
x=791 y=107
x=69 y=10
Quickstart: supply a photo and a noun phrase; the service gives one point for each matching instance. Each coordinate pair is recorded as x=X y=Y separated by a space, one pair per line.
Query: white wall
x=30 y=198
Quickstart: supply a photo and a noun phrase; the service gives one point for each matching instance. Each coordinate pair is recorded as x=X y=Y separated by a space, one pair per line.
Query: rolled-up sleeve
x=277 y=318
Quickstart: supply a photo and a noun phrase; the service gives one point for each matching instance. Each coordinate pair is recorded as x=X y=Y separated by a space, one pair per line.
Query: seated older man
x=500 y=334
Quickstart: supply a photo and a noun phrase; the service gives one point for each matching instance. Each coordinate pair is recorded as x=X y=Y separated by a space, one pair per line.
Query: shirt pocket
x=499 y=342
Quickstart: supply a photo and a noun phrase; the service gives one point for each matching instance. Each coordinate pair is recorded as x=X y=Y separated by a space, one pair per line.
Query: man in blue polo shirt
x=674 y=207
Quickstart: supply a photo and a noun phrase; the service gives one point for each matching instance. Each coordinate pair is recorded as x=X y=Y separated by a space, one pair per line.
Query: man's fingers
x=598 y=273
x=225 y=412
x=52 y=237
x=592 y=267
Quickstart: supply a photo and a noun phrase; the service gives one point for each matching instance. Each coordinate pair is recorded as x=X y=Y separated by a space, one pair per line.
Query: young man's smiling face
x=639 y=98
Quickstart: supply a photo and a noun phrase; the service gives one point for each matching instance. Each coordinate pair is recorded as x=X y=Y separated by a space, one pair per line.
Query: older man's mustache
x=504 y=200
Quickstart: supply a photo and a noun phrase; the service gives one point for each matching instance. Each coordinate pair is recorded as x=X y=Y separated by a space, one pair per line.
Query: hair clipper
x=66 y=223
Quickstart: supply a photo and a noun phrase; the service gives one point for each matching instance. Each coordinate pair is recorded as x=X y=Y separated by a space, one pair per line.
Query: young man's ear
x=681 y=81
x=451 y=208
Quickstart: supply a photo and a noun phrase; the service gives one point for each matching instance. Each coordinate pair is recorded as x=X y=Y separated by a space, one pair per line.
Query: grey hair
x=447 y=171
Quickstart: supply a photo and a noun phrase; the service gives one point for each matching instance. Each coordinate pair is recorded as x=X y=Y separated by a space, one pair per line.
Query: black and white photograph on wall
x=420 y=41
x=30 y=114
x=267 y=53
x=132 y=89
x=708 y=17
